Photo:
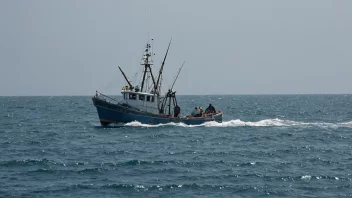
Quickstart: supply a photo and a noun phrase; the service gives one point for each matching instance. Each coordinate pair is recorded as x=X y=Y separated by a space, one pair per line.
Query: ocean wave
x=27 y=162
x=239 y=123
x=264 y=177
x=162 y=162
x=155 y=187
x=127 y=188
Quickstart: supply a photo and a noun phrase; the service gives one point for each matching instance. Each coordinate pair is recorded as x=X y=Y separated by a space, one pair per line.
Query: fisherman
x=136 y=89
x=177 y=111
x=210 y=109
x=195 y=111
x=200 y=111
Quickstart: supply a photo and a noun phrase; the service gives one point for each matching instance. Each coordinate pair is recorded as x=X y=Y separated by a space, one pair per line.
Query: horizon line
x=238 y=94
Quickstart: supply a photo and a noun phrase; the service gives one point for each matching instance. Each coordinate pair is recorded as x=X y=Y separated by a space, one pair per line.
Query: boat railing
x=101 y=96
x=211 y=115
x=148 y=107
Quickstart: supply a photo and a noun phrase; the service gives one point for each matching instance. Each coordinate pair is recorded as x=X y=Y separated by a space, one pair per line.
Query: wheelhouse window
x=133 y=96
x=141 y=97
x=152 y=98
x=125 y=96
x=148 y=98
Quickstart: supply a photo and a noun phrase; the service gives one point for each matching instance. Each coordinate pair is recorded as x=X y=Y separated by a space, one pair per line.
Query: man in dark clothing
x=210 y=109
x=195 y=111
x=177 y=111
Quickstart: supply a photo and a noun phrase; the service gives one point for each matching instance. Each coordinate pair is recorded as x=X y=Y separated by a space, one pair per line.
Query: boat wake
x=262 y=123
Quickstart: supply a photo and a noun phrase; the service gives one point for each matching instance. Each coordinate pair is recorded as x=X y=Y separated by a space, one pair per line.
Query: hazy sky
x=73 y=47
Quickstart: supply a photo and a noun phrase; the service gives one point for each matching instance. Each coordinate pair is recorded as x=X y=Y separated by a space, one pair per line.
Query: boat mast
x=147 y=62
x=161 y=71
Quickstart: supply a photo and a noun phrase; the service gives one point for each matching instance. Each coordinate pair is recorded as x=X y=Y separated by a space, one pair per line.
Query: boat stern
x=218 y=116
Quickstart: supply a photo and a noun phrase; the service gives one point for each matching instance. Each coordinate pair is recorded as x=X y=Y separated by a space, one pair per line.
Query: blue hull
x=115 y=113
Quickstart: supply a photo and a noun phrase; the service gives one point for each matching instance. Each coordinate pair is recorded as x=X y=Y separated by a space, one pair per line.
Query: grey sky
x=230 y=47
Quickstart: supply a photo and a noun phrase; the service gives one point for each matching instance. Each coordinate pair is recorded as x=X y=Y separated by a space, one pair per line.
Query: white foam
x=239 y=123
x=138 y=124
x=346 y=124
x=306 y=177
x=261 y=123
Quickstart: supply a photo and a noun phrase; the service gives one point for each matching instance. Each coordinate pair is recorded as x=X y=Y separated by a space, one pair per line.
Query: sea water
x=267 y=145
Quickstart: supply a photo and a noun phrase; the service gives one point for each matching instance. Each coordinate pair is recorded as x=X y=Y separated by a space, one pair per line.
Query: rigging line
x=107 y=86
x=140 y=73
x=149 y=87
x=147 y=82
x=137 y=76
x=165 y=82
x=134 y=77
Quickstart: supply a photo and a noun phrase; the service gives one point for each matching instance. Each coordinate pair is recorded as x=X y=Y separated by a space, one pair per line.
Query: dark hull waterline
x=116 y=113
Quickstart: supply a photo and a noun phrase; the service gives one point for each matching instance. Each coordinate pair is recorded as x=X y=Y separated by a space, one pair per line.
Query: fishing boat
x=144 y=102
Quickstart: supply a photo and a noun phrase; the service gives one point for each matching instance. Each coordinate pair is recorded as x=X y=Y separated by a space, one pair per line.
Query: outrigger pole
x=161 y=68
x=129 y=83
x=177 y=75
